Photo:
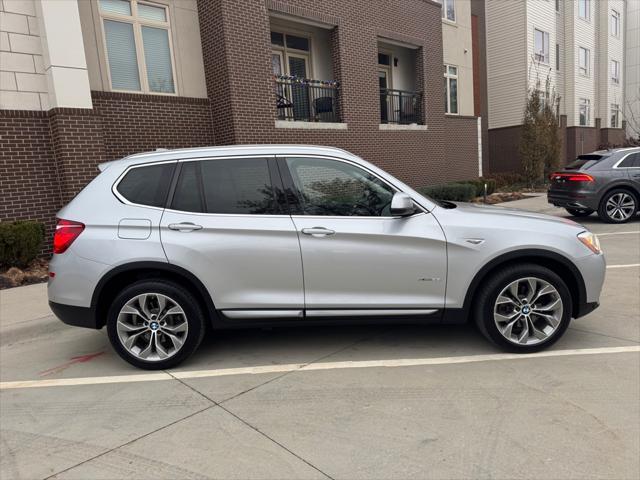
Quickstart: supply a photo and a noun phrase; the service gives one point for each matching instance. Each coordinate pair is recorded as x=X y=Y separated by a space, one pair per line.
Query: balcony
x=306 y=100
x=400 y=107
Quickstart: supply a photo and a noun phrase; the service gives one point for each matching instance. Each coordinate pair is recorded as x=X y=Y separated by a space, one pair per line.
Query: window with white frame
x=615 y=115
x=583 y=61
x=584 y=9
x=541 y=46
x=615 y=71
x=138 y=45
x=448 y=9
x=558 y=56
x=584 y=112
x=615 y=23
x=451 y=89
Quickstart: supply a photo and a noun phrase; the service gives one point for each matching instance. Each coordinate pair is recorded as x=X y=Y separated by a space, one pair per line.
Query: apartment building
x=579 y=45
x=632 y=70
x=86 y=81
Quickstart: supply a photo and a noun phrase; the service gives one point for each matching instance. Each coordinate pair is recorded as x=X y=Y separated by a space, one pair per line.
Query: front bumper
x=76 y=316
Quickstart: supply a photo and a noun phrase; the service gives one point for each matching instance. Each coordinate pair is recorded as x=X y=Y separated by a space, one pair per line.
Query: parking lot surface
x=378 y=402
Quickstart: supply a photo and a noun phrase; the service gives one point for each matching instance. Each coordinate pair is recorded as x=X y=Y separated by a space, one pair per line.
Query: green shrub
x=456 y=192
x=479 y=184
x=507 y=179
x=20 y=242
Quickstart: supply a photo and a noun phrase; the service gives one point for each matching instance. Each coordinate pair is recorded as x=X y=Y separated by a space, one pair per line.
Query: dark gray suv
x=606 y=181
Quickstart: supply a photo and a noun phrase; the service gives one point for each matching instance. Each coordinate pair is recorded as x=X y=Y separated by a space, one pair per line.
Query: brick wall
x=239 y=78
x=29 y=188
x=461 y=152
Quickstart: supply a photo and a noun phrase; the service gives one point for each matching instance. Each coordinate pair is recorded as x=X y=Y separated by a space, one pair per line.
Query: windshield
x=584 y=162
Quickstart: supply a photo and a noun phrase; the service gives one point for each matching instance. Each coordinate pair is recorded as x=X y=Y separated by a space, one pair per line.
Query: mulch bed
x=36 y=272
x=500 y=197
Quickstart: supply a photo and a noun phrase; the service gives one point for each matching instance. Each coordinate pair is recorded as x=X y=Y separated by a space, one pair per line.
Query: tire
x=579 y=212
x=158 y=336
x=608 y=212
x=487 y=305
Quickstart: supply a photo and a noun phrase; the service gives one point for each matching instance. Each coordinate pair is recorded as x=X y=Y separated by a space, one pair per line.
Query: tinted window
x=632 y=160
x=188 y=195
x=585 y=161
x=330 y=187
x=240 y=185
x=147 y=185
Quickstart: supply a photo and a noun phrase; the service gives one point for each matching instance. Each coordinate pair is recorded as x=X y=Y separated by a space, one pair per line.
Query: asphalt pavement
x=370 y=402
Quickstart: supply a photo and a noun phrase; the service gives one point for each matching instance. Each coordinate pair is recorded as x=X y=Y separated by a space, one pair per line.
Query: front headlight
x=590 y=240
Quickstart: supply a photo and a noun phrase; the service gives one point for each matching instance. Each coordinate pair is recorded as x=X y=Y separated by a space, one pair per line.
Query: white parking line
x=616 y=233
x=628 y=265
x=292 y=367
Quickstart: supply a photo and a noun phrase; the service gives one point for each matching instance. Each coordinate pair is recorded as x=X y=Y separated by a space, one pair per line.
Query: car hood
x=510 y=213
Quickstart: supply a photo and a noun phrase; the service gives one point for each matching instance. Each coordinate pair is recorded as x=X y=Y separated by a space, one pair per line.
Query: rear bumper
x=73 y=315
x=573 y=199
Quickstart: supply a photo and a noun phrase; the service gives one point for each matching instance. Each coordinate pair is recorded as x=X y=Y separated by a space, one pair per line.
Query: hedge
x=20 y=242
x=479 y=184
x=456 y=192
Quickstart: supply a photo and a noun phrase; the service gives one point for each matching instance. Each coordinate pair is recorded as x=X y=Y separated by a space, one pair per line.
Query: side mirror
x=402 y=205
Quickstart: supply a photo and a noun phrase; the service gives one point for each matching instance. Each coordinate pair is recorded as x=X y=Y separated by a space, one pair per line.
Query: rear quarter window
x=147 y=185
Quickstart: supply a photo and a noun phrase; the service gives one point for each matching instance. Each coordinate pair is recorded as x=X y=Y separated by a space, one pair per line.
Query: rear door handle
x=318 y=231
x=184 y=227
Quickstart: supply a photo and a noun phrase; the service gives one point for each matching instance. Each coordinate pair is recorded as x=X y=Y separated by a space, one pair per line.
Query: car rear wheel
x=523 y=308
x=580 y=212
x=618 y=206
x=155 y=324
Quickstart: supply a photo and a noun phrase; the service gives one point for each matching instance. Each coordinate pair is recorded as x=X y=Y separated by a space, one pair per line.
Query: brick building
x=86 y=81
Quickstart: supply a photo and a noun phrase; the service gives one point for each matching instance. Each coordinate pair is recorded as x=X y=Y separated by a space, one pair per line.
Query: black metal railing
x=306 y=100
x=400 y=107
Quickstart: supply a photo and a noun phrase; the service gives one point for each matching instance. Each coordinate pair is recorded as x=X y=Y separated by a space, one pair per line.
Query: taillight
x=66 y=233
x=572 y=177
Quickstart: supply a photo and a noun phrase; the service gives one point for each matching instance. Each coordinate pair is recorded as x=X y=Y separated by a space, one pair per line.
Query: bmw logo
x=526 y=310
x=154 y=326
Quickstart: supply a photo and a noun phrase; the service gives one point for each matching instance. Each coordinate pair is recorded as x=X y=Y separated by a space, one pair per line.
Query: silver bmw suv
x=162 y=245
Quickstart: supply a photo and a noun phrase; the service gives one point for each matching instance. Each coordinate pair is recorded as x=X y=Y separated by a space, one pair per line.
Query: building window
x=615 y=116
x=290 y=55
x=584 y=112
x=584 y=9
x=448 y=9
x=541 y=46
x=583 y=61
x=451 y=89
x=615 y=71
x=558 y=56
x=615 y=23
x=138 y=44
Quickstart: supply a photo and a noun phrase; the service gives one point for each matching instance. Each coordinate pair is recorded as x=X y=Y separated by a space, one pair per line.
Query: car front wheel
x=523 y=308
x=155 y=324
x=618 y=206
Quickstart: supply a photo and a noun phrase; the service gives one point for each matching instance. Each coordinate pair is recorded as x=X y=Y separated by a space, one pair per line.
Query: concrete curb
x=30 y=330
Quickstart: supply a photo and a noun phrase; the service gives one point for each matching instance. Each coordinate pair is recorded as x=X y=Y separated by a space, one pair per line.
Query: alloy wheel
x=528 y=311
x=152 y=327
x=620 y=206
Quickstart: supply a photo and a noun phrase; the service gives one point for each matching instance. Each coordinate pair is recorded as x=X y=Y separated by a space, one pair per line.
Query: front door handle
x=184 y=227
x=318 y=231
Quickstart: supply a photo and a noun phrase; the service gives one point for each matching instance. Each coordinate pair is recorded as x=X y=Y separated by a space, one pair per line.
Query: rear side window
x=631 y=161
x=230 y=186
x=585 y=162
x=147 y=185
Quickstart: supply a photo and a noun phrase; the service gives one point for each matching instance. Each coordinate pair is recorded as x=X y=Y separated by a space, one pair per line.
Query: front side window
x=541 y=46
x=615 y=23
x=583 y=61
x=584 y=112
x=615 y=116
x=334 y=188
x=451 y=89
x=615 y=71
x=138 y=46
x=147 y=185
x=240 y=186
x=584 y=9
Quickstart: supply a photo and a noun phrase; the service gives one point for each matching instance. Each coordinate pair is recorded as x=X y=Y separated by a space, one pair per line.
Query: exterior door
x=226 y=225
x=298 y=66
x=355 y=255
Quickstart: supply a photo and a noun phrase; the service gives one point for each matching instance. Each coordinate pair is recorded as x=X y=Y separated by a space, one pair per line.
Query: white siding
x=632 y=68
x=506 y=62
x=541 y=15
x=457 y=51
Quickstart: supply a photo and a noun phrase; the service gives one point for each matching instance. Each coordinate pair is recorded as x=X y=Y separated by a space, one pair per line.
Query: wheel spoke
x=128 y=327
x=539 y=334
x=149 y=348
x=181 y=327
x=142 y=301
x=131 y=340
x=524 y=334
x=505 y=318
x=507 y=331
x=162 y=301
x=503 y=299
x=172 y=311
x=551 y=320
x=542 y=292
x=177 y=341
x=129 y=310
x=532 y=285
x=549 y=306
